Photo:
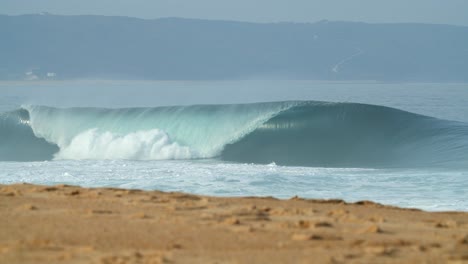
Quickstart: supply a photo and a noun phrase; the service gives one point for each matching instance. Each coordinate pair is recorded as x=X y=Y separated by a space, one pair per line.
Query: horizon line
x=232 y=20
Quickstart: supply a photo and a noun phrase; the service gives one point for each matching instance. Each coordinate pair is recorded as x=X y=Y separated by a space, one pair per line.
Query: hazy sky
x=427 y=11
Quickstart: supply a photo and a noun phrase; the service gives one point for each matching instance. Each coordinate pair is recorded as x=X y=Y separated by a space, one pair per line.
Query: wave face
x=18 y=142
x=353 y=135
x=287 y=133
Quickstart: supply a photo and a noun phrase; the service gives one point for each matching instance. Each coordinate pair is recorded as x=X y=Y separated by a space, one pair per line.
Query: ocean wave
x=298 y=133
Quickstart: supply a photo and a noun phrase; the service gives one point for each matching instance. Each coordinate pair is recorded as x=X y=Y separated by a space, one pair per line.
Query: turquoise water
x=403 y=144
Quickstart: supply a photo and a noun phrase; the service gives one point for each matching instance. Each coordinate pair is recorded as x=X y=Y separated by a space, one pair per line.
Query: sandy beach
x=68 y=224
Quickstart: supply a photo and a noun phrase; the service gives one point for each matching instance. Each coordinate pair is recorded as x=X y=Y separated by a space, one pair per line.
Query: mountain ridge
x=109 y=47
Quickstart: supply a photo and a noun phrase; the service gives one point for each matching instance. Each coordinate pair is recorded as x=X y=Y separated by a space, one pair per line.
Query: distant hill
x=69 y=47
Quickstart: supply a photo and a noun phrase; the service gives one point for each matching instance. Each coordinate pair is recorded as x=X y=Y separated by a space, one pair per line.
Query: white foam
x=141 y=145
x=205 y=129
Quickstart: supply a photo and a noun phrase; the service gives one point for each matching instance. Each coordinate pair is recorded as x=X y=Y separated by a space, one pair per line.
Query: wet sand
x=67 y=224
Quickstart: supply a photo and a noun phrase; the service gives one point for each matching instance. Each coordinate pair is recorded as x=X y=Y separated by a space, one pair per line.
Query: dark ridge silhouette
x=71 y=47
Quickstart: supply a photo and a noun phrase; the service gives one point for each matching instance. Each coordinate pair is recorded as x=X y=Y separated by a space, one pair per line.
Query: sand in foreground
x=66 y=224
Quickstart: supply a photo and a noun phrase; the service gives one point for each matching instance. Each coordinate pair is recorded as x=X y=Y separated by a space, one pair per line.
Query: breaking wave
x=297 y=133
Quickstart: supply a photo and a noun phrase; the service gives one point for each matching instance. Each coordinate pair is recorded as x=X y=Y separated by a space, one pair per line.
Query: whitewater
x=311 y=148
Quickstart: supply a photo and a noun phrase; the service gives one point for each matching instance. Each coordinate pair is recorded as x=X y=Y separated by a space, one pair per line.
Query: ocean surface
x=393 y=143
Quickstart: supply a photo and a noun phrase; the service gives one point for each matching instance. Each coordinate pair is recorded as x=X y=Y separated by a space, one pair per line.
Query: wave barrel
x=352 y=135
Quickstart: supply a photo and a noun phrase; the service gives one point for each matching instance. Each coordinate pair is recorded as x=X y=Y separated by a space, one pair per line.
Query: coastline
x=70 y=224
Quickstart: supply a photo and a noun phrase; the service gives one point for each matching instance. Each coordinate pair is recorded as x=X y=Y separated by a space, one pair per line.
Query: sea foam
x=141 y=145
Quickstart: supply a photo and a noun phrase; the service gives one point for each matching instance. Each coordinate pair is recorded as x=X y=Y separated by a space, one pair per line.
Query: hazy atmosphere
x=233 y=131
x=377 y=11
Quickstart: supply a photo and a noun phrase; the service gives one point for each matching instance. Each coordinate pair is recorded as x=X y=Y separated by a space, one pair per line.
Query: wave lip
x=296 y=133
